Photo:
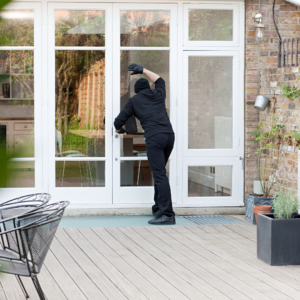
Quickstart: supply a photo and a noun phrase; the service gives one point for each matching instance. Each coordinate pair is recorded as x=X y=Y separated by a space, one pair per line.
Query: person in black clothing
x=149 y=107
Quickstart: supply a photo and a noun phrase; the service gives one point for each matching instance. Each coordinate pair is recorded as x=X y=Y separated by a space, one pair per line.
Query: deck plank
x=259 y=269
x=129 y=267
x=150 y=268
x=2 y=294
x=81 y=279
x=190 y=249
x=122 y=287
x=162 y=253
x=11 y=287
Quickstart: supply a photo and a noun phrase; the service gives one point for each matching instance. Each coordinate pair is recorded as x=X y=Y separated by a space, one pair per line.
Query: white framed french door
x=21 y=103
x=212 y=148
x=145 y=34
x=80 y=107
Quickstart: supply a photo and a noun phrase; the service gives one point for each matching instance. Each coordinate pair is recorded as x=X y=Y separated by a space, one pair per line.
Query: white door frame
x=191 y=157
x=141 y=195
x=10 y=193
x=81 y=196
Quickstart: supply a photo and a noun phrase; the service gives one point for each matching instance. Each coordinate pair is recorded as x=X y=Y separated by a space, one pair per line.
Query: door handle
x=116 y=136
x=242 y=159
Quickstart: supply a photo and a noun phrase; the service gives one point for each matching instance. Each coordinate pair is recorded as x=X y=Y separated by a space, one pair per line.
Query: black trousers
x=159 y=148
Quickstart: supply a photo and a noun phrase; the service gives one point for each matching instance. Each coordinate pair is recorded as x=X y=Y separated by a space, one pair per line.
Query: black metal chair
x=9 y=211
x=35 y=232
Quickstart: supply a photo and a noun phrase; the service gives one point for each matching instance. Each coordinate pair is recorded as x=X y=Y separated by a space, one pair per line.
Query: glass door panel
x=142 y=36
x=80 y=116
x=212 y=181
x=20 y=95
x=211 y=111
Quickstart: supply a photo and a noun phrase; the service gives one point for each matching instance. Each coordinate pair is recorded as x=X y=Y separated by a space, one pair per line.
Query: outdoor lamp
x=259 y=28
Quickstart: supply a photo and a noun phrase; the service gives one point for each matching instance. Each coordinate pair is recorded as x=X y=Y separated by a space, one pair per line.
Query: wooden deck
x=171 y=262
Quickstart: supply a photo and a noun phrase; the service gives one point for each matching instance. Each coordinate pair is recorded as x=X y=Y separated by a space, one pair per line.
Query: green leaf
x=3 y=3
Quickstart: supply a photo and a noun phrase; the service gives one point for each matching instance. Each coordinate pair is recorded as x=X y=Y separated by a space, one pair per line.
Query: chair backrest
x=58 y=142
x=16 y=208
x=37 y=232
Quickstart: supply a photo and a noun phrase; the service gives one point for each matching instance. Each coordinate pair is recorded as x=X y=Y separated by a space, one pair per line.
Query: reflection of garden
x=80 y=100
x=210 y=25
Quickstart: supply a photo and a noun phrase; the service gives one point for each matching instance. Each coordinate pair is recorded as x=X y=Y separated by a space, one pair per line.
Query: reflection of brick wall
x=288 y=113
x=91 y=96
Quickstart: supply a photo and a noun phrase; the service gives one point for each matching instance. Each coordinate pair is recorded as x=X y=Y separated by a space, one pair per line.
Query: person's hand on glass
x=135 y=69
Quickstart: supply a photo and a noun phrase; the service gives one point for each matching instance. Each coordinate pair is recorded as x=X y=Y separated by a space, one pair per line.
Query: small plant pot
x=251 y=200
x=262 y=209
x=278 y=240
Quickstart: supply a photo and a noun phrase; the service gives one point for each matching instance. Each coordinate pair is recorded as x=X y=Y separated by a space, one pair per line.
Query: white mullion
x=79 y=48
x=23 y=159
x=80 y=158
x=145 y=48
x=13 y=48
x=133 y=158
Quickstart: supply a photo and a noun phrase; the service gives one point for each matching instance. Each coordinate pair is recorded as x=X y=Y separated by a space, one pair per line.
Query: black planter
x=251 y=200
x=278 y=240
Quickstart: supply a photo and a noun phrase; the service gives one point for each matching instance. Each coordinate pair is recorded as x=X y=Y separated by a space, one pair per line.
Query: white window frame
x=9 y=193
x=141 y=195
x=81 y=196
x=235 y=7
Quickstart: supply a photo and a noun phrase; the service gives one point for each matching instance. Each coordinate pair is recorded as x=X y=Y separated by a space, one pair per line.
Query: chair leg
x=38 y=287
x=22 y=286
x=63 y=174
x=90 y=173
x=138 y=178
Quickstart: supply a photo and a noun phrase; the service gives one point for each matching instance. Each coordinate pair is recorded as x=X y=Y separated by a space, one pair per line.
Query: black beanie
x=141 y=84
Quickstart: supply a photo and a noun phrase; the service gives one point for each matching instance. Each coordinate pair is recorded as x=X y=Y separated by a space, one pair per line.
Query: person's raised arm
x=137 y=69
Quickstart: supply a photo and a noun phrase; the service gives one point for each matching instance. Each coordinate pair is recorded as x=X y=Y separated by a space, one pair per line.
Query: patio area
x=166 y=262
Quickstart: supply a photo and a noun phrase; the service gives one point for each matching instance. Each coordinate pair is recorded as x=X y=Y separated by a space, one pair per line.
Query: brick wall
x=259 y=57
x=288 y=112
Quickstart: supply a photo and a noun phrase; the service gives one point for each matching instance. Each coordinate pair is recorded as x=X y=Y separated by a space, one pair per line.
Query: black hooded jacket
x=149 y=107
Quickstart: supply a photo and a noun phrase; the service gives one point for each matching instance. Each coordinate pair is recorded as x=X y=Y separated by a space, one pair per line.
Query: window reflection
x=210 y=25
x=80 y=28
x=80 y=103
x=210 y=103
x=209 y=181
x=16 y=28
x=145 y=28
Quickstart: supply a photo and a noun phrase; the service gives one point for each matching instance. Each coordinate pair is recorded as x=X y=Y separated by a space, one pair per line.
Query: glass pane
x=80 y=28
x=20 y=174
x=210 y=103
x=209 y=181
x=210 y=25
x=80 y=103
x=133 y=145
x=145 y=28
x=17 y=101
x=80 y=173
x=156 y=61
x=136 y=173
x=16 y=28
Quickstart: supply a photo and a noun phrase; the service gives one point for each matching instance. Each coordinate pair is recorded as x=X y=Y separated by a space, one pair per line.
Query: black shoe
x=163 y=220
x=156 y=214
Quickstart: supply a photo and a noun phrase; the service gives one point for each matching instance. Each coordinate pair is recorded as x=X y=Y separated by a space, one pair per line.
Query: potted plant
x=278 y=234
x=269 y=137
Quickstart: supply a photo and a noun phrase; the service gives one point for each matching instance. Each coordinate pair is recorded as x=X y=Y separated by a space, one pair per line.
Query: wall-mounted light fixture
x=259 y=28
x=261 y=102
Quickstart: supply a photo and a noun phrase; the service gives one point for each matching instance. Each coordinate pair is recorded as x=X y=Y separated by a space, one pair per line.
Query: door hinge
x=239 y=64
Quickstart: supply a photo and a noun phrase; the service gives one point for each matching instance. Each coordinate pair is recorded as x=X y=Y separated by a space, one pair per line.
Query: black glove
x=137 y=69
x=122 y=131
